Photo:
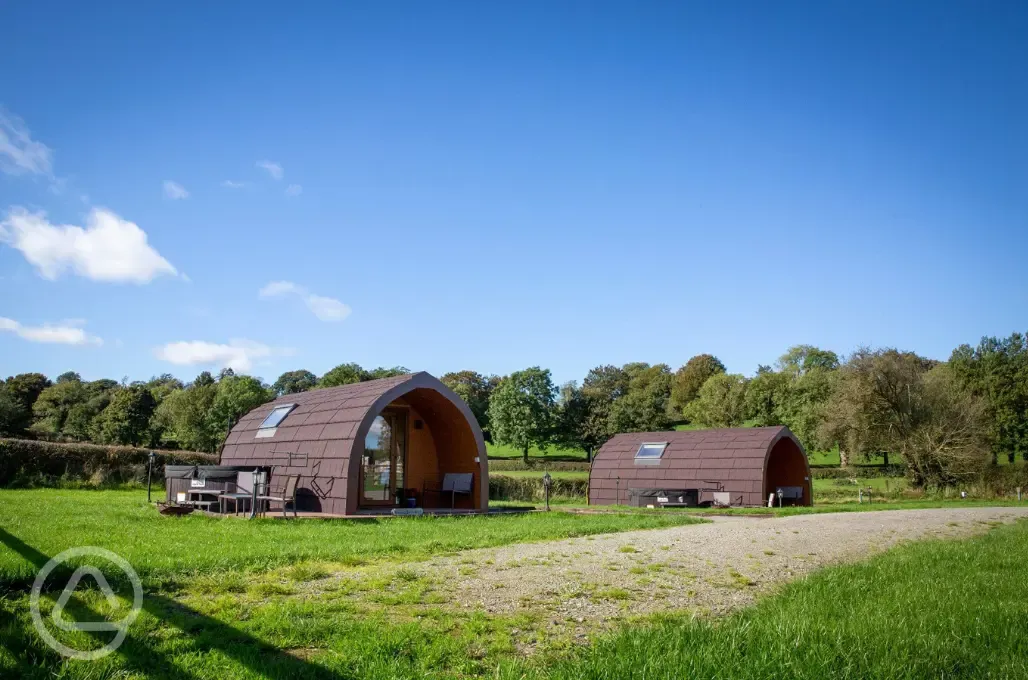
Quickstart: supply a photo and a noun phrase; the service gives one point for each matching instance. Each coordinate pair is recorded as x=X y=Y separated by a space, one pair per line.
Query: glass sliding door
x=382 y=468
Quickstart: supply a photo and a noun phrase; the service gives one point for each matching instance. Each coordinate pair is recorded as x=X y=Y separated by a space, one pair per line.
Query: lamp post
x=547 y=483
x=149 y=472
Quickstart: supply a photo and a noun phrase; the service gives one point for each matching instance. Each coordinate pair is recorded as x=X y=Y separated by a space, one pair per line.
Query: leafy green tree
x=237 y=395
x=804 y=405
x=344 y=374
x=765 y=395
x=81 y=421
x=185 y=417
x=720 y=403
x=475 y=389
x=996 y=371
x=644 y=405
x=690 y=378
x=68 y=376
x=382 y=372
x=24 y=389
x=888 y=400
x=12 y=415
x=799 y=359
x=572 y=421
x=204 y=379
x=54 y=404
x=601 y=389
x=126 y=420
x=293 y=382
x=521 y=410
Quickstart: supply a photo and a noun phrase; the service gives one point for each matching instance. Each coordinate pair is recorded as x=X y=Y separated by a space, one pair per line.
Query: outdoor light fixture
x=547 y=483
x=149 y=473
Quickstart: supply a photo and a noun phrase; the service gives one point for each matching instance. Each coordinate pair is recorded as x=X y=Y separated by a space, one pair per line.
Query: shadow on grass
x=206 y=635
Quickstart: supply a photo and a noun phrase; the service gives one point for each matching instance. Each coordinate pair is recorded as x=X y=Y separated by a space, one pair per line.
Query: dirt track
x=709 y=568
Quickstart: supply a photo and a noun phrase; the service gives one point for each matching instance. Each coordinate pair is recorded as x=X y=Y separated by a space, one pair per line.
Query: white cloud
x=19 y=153
x=230 y=184
x=107 y=249
x=294 y=190
x=272 y=168
x=174 y=190
x=239 y=355
x=325 y=308
x=66 y=333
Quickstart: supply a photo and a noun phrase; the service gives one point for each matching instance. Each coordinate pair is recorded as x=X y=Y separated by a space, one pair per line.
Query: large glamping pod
x=370 y=446
x=737 y=467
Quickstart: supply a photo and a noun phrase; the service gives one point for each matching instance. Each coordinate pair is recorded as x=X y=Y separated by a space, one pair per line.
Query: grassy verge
x=162 y=548
x=938 y=609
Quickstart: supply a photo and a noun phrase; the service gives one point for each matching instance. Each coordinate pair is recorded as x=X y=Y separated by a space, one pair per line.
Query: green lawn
x=952 y=609
x=166 y=549
x=499 y=451
x=935 y=609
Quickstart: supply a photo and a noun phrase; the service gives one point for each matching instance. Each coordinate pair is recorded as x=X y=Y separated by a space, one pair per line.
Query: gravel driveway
x=706 y=568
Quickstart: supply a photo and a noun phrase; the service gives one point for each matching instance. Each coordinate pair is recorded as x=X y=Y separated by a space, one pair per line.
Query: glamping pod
x=407 y=441
x=738 y=467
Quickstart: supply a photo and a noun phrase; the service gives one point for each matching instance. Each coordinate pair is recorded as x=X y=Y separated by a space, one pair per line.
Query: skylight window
x=650 y=452
x=277 y=415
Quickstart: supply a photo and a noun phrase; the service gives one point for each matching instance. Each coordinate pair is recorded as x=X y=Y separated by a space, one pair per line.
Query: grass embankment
x=160 y=548
x=937 y=609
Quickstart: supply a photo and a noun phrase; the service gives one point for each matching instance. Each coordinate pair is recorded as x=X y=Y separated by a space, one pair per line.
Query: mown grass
x=502 y=451
x=52 y=520
x=538 y=474
x=937 y=609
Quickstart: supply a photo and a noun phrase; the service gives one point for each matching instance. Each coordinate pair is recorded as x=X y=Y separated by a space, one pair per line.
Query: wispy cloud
x=294 y=190
x=272 y=168
x=230 y=184
x=325 y=308
x=174 y=190
x=19 y=153
x=107 y=249
x=66 y=333
x=239 y=355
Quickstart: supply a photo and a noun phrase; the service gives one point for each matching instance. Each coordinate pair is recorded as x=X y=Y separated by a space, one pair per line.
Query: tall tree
x=343 y=374
x=644 y=405
x=996 y=371
x=383 y=372
x=765 y=395
x=720 y=403
x=237 y=395
x=521 y=410
x=186 y=417
x=475 y=389
x=11 y=413
x=799 y=359
x=887 y=400
x=690 y=378
x=54 y=404
x=126 y=420
x=602 y=388
x=24 y=389
x=294 y=382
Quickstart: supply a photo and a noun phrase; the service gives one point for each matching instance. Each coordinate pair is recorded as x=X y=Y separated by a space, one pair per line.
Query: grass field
x=937 y=609
x=164 y=549
x=229 y=598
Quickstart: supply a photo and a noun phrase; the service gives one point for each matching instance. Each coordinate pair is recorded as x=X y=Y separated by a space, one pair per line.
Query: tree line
x=944 y=421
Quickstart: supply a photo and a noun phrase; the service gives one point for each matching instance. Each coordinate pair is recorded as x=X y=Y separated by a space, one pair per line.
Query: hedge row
x=530 y=489
x=861 y=471
x=26 y=463
x=539 y=464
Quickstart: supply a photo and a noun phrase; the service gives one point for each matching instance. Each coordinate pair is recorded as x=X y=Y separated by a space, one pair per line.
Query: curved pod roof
x=325 y=433
x=739 y=459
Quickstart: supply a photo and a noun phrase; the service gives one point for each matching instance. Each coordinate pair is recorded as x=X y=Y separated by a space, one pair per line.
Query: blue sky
x=487 y=186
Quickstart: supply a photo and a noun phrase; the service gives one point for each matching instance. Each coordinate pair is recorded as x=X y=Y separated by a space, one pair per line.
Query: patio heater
x=149 y=474
x=547 y=483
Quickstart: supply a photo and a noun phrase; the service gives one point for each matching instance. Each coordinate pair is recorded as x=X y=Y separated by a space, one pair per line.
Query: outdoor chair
x=243 y=491
x=454 y=483
x=287 y=496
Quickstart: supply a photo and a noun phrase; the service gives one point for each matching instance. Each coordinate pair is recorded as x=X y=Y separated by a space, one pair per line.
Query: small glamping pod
x=407 y=441
x=739 y=467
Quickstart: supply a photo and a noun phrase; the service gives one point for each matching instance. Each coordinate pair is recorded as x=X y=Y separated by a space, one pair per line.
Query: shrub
x=503 y=488
x=25 y=463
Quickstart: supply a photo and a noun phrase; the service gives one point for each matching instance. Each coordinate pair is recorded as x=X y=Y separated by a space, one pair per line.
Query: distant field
x=552 y=453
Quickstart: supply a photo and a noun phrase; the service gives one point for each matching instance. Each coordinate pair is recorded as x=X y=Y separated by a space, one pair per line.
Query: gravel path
x=707 y=568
